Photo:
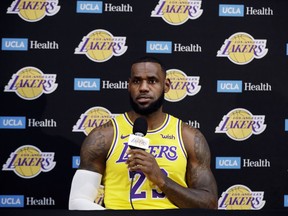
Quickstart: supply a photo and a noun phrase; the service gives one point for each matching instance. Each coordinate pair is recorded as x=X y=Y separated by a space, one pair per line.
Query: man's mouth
x=143 y=99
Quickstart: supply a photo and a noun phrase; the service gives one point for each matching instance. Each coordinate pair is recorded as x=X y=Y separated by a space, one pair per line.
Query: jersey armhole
x=181 y=143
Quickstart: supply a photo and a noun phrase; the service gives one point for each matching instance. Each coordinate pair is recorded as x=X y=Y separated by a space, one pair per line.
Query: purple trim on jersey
x=126 y=117
x=161 y=128
x=180 y=138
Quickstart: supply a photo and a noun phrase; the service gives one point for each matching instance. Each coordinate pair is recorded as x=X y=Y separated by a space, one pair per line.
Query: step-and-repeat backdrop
x=64 y=67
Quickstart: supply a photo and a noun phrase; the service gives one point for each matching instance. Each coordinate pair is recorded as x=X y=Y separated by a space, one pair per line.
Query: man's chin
x=147 y=108
x=143 y=110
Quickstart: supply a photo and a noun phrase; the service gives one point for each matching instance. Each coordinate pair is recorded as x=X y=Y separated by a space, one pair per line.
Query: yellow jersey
x=166 y=146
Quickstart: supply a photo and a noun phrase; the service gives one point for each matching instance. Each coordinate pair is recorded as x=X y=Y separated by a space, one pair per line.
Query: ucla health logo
x=14 y=44
x=33 y=11
x=11 y=201
x=285 y=200
x=12 y=122
x=30 y=83
x=228 y=163
x=231 y=10
x=229 y=86
x=159 y=47
x=89 y=7
x=100 y=45
x=240 y=197
x=286 y=124
x=241 y=48
x=75 y=162
x=93 y=117
x=177 y=12
x=86 y=84
x=239 y=124
x=28 y=162
x=181 y=85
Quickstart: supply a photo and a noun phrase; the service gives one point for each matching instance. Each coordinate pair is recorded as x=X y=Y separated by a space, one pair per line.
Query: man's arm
x=202 y=188
x=87 y=179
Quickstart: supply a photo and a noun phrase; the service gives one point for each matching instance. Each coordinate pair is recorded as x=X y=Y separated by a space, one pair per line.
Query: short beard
x=153 y=107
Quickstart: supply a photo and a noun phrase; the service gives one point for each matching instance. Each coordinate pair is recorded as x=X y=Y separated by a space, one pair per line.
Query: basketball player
x=174 y=172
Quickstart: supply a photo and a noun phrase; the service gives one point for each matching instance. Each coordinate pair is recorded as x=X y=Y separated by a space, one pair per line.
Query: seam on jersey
x=181 y=143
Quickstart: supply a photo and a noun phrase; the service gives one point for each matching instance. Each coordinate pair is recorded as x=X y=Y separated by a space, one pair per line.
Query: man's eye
x=136 y=81
x=152 y=81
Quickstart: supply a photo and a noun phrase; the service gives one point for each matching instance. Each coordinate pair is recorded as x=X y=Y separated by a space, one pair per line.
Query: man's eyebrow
x=149 y=77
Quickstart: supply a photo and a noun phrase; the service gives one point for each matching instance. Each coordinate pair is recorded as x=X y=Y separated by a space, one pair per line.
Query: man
x=173 y=173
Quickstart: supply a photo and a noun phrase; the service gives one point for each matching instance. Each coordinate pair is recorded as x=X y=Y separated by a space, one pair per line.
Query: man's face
x=147 y=87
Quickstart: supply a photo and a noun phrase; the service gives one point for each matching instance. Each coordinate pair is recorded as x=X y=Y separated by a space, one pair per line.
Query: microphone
x=137 y=139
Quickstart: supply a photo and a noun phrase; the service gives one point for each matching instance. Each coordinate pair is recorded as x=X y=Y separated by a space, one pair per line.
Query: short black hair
x=150 y=59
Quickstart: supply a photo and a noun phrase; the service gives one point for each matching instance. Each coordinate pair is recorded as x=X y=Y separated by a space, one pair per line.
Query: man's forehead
x=144 y=65
x=146 y=68
x=147 y=74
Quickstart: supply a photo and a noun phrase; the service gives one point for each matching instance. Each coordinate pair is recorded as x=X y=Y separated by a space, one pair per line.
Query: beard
x=153 y=107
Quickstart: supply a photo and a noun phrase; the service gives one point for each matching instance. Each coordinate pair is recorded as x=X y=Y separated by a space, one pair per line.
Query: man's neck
x=154 y=120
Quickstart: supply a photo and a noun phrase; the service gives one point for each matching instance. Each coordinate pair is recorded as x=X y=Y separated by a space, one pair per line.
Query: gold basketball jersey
x=166 y=146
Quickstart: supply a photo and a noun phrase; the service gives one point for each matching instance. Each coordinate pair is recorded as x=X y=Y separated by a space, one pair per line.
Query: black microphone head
x=140 y=126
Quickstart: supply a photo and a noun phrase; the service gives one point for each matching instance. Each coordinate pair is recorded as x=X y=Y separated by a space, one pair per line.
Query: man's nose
x=144 y=86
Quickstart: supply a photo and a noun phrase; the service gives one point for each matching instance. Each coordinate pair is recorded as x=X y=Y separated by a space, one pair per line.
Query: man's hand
x=140 y=160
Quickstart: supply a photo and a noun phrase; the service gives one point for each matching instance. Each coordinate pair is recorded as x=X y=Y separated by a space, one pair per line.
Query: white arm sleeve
x=84 y=190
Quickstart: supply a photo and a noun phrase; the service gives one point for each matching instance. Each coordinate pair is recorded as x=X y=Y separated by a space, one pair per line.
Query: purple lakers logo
x=100 y=45
x=177 y=12
x=33 y=11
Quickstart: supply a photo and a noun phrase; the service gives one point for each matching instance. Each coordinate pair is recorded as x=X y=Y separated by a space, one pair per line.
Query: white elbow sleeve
x=84 y=190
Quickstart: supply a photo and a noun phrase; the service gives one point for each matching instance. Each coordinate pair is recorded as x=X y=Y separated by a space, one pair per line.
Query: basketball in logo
x=32 y=14
x=99 y=46
x=177 y=79
x=23 y=165
x=33 y=11
x=236 y=193
x=234 y=128
x=177 y=12
x=173 y=17
x=237 y=53
x=29 y=83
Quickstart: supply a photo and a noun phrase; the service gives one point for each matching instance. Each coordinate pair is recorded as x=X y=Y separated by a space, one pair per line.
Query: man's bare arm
x=87 y=179
x=202 y=188
x=95 y=148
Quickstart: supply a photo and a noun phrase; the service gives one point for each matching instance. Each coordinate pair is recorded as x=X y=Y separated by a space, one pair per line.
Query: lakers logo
x=94 y=117
x=33 y=11
x=240 y=197
x=181 y=85
x=100 y=45
x=239 y=124
x=28 y=162
x=30 y=83
x=241 y=48
x=177 y=12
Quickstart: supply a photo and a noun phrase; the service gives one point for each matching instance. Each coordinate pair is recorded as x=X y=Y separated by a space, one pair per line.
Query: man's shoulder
x=104 y=129
x=188 y=130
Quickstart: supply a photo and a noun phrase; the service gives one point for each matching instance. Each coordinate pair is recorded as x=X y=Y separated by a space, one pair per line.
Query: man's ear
x=167 y=85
